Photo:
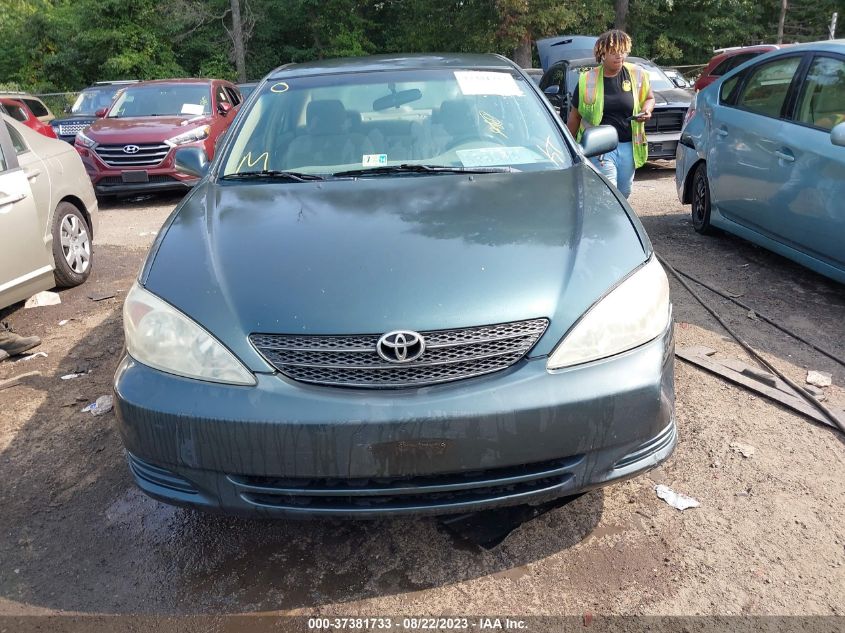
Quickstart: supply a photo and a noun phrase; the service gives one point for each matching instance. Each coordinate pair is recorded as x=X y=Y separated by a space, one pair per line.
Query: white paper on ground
x=674 y=499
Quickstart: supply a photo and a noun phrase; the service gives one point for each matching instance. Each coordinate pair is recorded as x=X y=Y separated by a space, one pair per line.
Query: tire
x=73 y=251
x=701 y=201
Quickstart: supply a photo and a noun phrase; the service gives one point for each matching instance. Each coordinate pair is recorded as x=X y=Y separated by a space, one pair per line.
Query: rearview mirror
x=101 y=113
x=192 y=161
x=599 y=140
x=396 y=99
x=837 y=134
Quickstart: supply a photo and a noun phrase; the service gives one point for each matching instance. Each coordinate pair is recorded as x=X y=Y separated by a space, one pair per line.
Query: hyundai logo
x=400 y=346
x=131 y=149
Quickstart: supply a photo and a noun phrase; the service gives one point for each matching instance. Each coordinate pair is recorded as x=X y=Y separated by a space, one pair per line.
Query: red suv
x=728 y=59
x=130 y=147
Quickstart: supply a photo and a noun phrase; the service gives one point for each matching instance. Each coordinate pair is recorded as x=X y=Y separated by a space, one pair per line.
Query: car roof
x=171 y=82
x=393 y=62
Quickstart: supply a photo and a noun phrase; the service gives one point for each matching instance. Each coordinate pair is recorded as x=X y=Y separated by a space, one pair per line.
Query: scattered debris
x=819 y=378
x=43 y=298
x=674 y=499
x=16 y=380
x=99 y=296
x=64 y=322
x=103 y=405
x=758 y=380
x=23 y=359
x=72 y=376
x=3 y=355
x=743 y=449
x=752 y=315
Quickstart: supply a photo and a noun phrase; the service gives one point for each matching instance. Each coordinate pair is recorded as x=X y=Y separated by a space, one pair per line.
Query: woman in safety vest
x=615 y=93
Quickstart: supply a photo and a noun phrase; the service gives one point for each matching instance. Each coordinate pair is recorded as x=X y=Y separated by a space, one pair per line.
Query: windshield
x=359 y=121
x=92 y=99
x=163 y=100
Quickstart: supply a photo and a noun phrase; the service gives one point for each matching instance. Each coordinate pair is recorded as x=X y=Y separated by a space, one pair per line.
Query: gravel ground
x=769 y=537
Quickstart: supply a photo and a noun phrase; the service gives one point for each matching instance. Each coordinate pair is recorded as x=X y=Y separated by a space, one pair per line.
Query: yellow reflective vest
x=591 y=104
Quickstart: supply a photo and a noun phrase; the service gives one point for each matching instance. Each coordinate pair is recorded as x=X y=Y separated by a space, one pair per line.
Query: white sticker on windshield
x=492 y=156
x=192 y=108
x=476 y=82
x=374 y=160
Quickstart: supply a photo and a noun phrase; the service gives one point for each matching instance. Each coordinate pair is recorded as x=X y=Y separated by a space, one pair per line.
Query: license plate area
x=135 y=175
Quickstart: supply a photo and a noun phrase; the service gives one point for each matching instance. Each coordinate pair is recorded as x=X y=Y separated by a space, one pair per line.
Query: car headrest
x=326 y=116
x=458 y=116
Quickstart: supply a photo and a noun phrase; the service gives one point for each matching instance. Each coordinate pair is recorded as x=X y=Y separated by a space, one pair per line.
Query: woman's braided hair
x=614 y=41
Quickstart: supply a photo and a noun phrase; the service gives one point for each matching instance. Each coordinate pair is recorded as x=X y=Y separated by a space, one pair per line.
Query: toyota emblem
x=131 y=149
x=401 y=346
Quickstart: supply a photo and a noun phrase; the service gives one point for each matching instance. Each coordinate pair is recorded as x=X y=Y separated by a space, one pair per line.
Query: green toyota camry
x=400 y=287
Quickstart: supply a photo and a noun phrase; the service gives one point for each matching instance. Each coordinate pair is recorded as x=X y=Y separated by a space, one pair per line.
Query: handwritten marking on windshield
x=252 y=163
x=493 y=124
x=279 y=87
x=552 y=152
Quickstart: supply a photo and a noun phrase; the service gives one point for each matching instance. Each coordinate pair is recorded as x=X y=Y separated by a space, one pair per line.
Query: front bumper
x=524 y=435
x=109 y=180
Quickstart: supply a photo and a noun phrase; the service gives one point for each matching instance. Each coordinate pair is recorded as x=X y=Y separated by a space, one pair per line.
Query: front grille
x=352 y=361
x=663 y=121
x=71 y=129
x=407 y=493
x=146 y=156
x=109 y=181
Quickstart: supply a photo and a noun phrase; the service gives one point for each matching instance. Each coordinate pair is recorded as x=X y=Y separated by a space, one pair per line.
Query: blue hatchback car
x=762 y=155
x=399 y=288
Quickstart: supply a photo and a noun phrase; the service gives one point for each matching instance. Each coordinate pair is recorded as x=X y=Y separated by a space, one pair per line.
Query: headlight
x=197 y=134
x=633 y=313
x=160 y=336
x=84 y=140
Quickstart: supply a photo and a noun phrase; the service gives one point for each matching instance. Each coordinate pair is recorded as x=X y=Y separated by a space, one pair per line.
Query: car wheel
x=73 y=251
x=701 y=200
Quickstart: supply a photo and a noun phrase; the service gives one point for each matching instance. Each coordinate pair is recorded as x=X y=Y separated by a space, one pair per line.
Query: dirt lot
x=769 y=537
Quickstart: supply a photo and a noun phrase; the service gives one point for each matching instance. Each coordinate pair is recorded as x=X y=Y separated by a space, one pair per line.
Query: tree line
x=64 y=45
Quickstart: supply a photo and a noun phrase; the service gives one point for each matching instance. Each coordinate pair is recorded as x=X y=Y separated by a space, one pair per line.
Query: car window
x=722 y=67
x=222 y=96
x=552 y=78
x=234 y=97
x=162 y=100
x=36 y=107
x=92 y=99
x=17 y=140
x=15 y=111
x=767 y=85
x=449 y=118
x=822 y=100
x=728 y=86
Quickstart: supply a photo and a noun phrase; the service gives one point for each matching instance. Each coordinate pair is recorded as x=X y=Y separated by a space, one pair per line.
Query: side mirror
x=680 y=83
x=599 y=140
x=101 y=113
x=837 y=134
x=192 y=161
x=66 y=109
x=553 y=95
x=224 y=107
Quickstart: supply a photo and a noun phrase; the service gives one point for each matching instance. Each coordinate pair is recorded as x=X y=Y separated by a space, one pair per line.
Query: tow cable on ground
x=830 y=415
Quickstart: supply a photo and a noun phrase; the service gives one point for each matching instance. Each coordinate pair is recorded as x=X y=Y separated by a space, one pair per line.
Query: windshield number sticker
x=474 y=82
x=374 y=160
x=192 y=108
x=252 y=163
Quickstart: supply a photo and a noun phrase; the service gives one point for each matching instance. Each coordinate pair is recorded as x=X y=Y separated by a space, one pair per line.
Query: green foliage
x=54 y=45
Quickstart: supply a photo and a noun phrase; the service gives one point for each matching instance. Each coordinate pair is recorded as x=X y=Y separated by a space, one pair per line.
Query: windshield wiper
x=423 y=169
x=272 y=174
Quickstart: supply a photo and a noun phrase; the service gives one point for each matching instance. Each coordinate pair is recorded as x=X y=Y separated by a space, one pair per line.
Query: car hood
x=141 y=129
x=372 y=255
x=673 y=97
x=554 y=49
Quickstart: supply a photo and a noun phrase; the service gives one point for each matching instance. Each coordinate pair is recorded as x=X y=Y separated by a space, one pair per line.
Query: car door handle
x=32 y=174
x=721 y=131
x=11 y=199
x=786 y=155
